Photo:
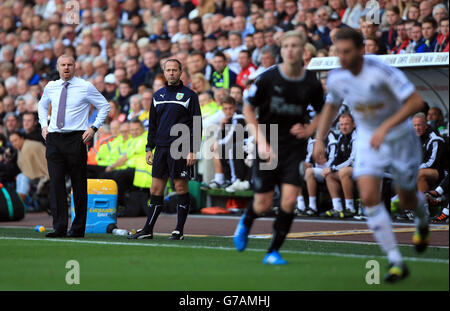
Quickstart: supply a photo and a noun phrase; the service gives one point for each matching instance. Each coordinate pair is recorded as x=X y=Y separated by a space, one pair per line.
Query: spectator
x=232 y=53
x=339 y=174
x=322 y=17
x=247 y=68
x=199 y=83
x=268 y=59
x=223 y=76
x=413 y=12
x=371 y=46
x=417 y=40
x=442 y=39
x=429 y=32
x=135 y=149
x=229 y=150
x=352 y=13
x=111 y=90
x=135 y=72
x=236 y=92
x=258 y=39
x=32 y=163
x=125 y=91
x=389 y=36
x=152 y=66
x=136 y=108
x=196 y=63
x=12 y=123
x=313 y=173
x=431 y=171
x=30 y=127
x=158 y=82
x=335 y=22
x=270 y=21
x=435 y=120
x=309 y=52
x=210 y=44
x=402 y=40
x=439 y=12
x=337 y=6
x=290 y=10
x=426 y=10
x=104 y=136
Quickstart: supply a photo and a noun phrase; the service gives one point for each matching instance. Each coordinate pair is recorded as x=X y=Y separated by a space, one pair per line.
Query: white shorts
x=400 y=157
x=318 y=174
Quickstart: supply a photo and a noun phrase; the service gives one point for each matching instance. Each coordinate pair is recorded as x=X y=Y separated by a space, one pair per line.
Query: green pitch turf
x=29 y=261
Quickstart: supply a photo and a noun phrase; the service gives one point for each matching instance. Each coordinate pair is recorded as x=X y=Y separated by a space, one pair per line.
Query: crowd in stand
x=223 y=46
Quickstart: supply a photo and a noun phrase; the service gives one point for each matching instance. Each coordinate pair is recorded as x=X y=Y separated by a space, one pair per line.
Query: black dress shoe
x=56 y=234
x=73 y=234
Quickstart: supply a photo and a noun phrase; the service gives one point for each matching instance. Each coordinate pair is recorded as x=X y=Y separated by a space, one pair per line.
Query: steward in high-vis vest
x=111 y=151
x=223 y=76
x=123 y=169
x=103 y=138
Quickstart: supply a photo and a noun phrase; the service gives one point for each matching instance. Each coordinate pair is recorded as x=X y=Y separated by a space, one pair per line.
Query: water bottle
x=120 y=232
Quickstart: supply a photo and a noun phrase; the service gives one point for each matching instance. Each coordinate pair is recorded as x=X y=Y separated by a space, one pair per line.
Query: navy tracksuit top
x=171 y=105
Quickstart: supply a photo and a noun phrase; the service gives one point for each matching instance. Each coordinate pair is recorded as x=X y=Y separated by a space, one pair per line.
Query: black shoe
x=74 y=234
x=176 y=235
x=310 y=212
x=299 y=212
x=396 y=273
x=141 y=235
x=56 y=234
x=225 y=184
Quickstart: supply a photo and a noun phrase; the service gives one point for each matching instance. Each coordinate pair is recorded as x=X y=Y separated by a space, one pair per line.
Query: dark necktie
x=62 y=106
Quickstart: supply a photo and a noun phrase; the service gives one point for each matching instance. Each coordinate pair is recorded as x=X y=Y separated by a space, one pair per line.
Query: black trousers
x=67 y=155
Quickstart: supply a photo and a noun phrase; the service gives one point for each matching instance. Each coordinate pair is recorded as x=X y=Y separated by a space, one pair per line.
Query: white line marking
x=433 y=260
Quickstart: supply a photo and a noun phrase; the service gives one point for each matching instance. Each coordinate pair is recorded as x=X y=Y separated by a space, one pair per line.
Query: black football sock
x=250 y=216
x=184 y=203
x=281 y=228
x=154 y=209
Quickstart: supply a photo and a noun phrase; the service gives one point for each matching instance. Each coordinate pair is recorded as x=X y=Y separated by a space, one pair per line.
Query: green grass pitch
x=29 y=261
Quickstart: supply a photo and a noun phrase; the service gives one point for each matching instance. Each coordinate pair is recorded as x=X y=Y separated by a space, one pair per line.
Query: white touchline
x=434 y=260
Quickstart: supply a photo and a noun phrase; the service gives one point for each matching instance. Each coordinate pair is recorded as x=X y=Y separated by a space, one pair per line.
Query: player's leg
x=183 y=205
x=379 y=221
x=346 y=178
x=405 y=171
x=264 y=182
x=416 y=202
x=282 y=223
x=262 y=202
x=426 y=178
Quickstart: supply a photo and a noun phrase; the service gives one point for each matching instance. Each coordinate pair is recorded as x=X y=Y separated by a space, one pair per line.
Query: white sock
x=379 y=221
x=312 y=203
x=421 y=212
x=337 y=204
x=349 y=204
x=301 y=203
x=445 y=211
x=219 y=178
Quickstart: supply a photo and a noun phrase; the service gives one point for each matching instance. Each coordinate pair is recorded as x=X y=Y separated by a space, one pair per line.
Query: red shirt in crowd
x=244 y=74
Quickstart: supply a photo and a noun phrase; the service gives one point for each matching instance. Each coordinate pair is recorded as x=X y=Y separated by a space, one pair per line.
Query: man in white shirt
x=381 y=99
x=66 y=138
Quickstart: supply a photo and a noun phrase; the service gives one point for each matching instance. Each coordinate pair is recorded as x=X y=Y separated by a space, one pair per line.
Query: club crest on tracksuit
x=179 y=96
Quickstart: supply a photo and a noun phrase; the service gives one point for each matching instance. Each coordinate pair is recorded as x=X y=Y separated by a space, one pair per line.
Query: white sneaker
x=236 y=186
x=245 y=185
